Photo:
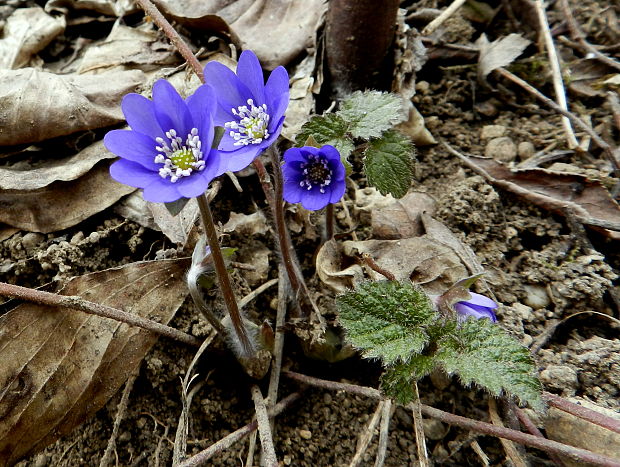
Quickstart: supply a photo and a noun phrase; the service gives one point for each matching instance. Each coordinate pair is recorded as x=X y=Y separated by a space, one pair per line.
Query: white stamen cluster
x=179 y=159
x=252 y=125
x=317 y=172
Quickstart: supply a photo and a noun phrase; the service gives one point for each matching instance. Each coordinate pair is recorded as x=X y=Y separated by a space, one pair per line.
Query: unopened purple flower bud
x=477 y=306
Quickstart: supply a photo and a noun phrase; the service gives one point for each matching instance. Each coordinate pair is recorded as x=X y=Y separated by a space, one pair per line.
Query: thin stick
x=577 y=33
x=366 y=435
x=256 y=292
x=430 y=27
x=533 y=429
x=509 y=446
x=121 y=408
x=78 y=303
x=375 y=267
x=174 y=36
x=264 y=430
x=226 y=442
x=418 y=428
x=386 y=415
x=607 y=150
x=580 y=455
x=223 y=278
x=582 y=412
x=558 y=84
x=249 y=459
x=278 y=345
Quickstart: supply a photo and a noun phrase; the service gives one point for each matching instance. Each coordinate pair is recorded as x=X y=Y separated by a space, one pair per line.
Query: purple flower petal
x=202 y=105
x=132 y=146
x=337 y=191
x=170 y=109
x=313 y=199
x=250 y=73
x=161 y=190
x=131 y=173
x=240 y=159
x=231 y=92
x=140 y=115
x=481 y=300
x=292 y=192
x=277 y=92
x=192 y=186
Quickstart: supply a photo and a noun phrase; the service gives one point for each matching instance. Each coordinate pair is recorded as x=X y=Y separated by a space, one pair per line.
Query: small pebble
x=433 y=429
x=77 y=238
x=536 y=297
x=502 y=149
x=31 y=240
x=94 y=237
x=492 y=131
x=305 y=434
x=559 y=377
x=525 y=150
x=422 y=87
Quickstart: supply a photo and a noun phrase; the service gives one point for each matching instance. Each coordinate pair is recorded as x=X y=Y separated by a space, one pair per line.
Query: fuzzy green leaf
x=481 y=352
x=327 y=129
x=397 y=381
x=388 y=163
x=386 y=319
x=370 y=113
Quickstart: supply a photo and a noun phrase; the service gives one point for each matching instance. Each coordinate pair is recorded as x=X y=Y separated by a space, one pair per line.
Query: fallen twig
x=418 y=428
x=533 y=429
x=386 y=415
x=549 y=446
x=366 y=436
x=582 y=412
x=226 y=442
x=78 y=303
x=264 y=430
x=558 y=84
x=509 y=446
x=607 y=149
x=444 y=15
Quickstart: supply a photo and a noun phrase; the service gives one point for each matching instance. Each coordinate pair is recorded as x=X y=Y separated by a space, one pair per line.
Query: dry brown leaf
x=128 y=48
x=426 y=262
x=176 y=228
x=415 y=128
x=26 y=32
x=574 y=431
x=66 y=169
x=276 y=30
x=498 y=53
x=330 y=269
x=135 y=208
x=36 y=105
x=107 y=7
x=587 y=199
x=61 y=204
x=60 y=365
x=401 y=218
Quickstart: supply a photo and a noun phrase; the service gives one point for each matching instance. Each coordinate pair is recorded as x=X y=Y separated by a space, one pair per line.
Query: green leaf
x=370 y=113
x=327 y=129
x=481 y=352
x=397 y=381
x=386 y=319
x=388 y=163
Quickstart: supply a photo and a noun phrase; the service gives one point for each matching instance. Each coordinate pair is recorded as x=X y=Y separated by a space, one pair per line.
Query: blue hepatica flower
x=168 y=150
x=477 y=306
x=251 y=111
x=313 y=177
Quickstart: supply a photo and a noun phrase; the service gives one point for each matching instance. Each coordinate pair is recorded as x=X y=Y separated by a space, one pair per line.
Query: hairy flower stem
x=174 y=36
x=278 y=213
x=223 y=278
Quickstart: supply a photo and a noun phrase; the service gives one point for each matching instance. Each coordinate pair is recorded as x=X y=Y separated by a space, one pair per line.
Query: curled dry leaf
x=106 y=7
x=259 y=25
x=69 y=168
x=127 y=47
x=61 y=204
x=36 y=105
x=401 y=217
x=26 y=32
x=60 y=365
x=498 y=53
x=415 y=128
x=426 y=262
x=574 y=431
x=588 y=200
x=176 y=228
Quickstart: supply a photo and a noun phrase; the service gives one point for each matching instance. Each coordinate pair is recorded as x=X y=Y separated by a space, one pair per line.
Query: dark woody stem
x=329 y=222
x=223 y=278
x=174 y=36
